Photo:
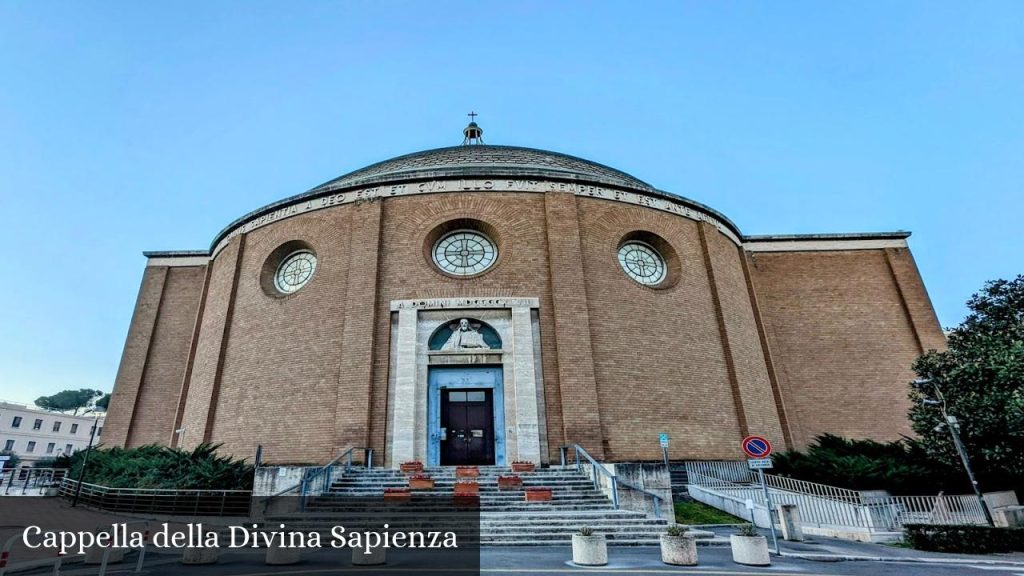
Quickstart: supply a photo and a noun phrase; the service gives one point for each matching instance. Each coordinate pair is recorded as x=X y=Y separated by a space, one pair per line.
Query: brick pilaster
x=130 y=373
x=355 y=373
x=580 y=411
x=914 y=297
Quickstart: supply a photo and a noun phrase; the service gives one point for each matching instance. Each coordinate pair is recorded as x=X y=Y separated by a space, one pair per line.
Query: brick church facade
x=485 y=304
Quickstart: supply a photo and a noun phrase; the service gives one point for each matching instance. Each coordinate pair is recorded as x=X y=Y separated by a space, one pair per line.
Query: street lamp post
x=85 y=462
x=954 y=432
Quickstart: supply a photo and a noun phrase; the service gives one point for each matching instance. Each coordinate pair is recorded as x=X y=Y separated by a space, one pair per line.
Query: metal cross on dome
x=472 y=116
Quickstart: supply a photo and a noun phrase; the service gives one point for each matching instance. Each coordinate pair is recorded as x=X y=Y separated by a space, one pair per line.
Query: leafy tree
x=103 y=403
x=69 y=400
x=981 y=377
x=14 y=459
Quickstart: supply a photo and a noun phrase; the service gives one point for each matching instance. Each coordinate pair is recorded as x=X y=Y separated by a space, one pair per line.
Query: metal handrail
x=613 y=479
x=324 y=473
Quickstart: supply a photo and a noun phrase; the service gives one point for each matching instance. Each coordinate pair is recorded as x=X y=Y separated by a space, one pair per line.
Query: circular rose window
x=464 y=253
x=295 y=271
x=642 y=263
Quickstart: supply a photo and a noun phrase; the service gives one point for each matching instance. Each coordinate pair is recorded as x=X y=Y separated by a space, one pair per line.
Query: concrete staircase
x=506 y=519
x=677 y=472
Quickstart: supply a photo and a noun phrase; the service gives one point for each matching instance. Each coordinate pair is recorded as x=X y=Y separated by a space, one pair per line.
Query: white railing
x=813 y=489
x=727 y=471
x=824 y=506
x=896 y=511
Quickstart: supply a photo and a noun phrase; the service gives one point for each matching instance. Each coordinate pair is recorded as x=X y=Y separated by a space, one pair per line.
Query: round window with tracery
x=295 y=271
x=464 y=253
x=642 y=263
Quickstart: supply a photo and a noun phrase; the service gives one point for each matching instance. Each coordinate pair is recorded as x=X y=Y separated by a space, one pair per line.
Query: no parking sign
x=757 y=446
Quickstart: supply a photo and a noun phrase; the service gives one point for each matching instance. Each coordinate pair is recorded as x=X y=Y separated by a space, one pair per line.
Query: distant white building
x=34 y=434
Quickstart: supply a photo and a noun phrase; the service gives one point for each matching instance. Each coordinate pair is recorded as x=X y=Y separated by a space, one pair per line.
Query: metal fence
x=825 y=506
x=14 y=481
x=162 y=502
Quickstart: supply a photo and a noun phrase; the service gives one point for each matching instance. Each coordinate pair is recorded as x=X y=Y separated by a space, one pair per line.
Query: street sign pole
x=768 y=503
x=663 y=440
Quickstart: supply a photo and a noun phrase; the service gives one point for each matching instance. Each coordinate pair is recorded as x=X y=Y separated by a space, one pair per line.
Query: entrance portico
x=465 y=382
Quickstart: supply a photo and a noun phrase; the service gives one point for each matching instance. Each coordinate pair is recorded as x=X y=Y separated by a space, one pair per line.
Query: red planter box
x=397 y=495
x=467 y=472
x=467 y=488
x=523 y=467
x=411 y=467
x=466 y=500
x=509 y=482
x=538 y=494
x=421 y=482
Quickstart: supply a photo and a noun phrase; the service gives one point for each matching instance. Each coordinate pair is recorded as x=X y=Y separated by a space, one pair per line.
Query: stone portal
x=453 y=361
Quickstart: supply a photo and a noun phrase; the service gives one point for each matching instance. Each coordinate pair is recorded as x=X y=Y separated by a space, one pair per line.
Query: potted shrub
x=749 y=548
x=538 y=494
x=397 y=494
x=420 y=482
x=467 y=472
x=677 y=548
x=589 y=549
x=375 y=557
x=464 y=488
x=509 y=482
x=520 y=466
x=412 y=467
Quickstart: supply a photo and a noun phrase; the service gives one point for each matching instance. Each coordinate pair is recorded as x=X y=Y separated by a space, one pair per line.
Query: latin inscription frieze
x=467 y=303
x=372 y=193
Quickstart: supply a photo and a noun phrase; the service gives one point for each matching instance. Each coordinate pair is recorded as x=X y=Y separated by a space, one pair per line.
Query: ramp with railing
x=825 y=510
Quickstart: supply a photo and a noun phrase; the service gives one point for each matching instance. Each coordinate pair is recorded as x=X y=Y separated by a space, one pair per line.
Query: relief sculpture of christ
x=465 y=336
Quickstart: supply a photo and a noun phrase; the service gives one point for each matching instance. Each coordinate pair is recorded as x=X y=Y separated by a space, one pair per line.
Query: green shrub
x=964 y=539
x=901 y=467
x=163 y=468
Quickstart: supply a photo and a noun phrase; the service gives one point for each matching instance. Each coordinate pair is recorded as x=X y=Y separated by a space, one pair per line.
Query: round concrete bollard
x=94 y=555
x=375 y=557
x=589 y=550
x=750 y=550
x=281 y=556
x=197 y=556
x=678 y=550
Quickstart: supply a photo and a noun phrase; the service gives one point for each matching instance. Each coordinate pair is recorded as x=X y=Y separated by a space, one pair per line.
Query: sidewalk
x=824 y=549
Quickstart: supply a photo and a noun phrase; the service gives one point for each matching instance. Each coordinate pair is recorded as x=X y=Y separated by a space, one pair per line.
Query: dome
x=488 y=161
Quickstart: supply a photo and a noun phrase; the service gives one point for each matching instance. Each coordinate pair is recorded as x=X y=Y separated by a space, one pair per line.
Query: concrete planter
x=198 y=556
x=376 y=557
x=538 y=494
x=283 y=556
x=467 y=472
x=94 y=555
x=678 y=550
x=589 y=550
x=750 y=550
x=51 y=491
x=509 y=482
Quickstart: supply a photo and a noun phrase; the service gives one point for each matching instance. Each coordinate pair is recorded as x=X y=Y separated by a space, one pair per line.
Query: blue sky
x=131 y=126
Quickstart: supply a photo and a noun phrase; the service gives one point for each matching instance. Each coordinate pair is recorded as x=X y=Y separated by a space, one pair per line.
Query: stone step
x=489 y=495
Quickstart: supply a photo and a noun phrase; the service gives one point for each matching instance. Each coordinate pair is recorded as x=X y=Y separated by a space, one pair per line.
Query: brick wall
x=658 y=353
x=841 y=338
x=307 y=374
x=168 y=356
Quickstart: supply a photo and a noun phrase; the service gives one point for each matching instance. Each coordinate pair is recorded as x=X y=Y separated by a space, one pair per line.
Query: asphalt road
x=553 y=561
